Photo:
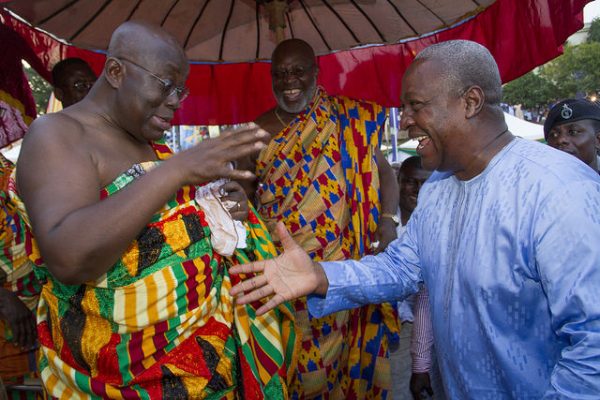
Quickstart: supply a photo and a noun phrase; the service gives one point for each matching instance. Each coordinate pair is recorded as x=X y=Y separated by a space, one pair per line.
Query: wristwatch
x=393 y=217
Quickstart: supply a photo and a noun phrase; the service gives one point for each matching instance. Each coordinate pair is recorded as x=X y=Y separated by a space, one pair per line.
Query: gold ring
x=239 y=206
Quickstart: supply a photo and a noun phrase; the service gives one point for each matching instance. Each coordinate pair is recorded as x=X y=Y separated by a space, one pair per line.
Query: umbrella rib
x=342 y=21
x=287 y=15
x=187 y=38
x=134 y=10
x=369 y=19
x=55 y=13
x=89 y=21
x=169 y=12
x=431 y=11
x=402 y=17
x=225 y=29
x=314 y=24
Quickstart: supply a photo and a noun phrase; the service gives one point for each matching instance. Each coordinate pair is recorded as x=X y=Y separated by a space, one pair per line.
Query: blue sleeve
x=387 y=277
x=567 y=245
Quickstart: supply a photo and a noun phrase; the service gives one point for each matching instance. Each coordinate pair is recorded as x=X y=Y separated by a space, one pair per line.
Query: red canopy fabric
x=521 y=34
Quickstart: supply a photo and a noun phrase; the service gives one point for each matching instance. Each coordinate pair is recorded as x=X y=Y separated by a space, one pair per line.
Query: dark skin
x=464 y=134
x=19 y=318
x=68 y=157
x=294 y=77
x=579 y=138
x=410 y=180
x=460 y=133
x=75 y=85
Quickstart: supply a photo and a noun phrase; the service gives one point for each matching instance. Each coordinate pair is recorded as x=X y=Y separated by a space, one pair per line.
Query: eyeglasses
x=81 y=86
x=296 y=72
x=168 y=86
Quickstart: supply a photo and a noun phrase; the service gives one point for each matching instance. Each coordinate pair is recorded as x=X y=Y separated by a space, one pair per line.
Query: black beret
x=570 y=110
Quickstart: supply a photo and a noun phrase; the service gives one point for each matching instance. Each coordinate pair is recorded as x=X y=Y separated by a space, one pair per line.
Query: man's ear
x=59 y=94
x=114 y=71
x=474 y=101
x=598 y=141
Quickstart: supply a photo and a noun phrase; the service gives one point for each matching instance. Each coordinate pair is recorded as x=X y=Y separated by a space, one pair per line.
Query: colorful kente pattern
x=319 y=176
x=16 y=275
x=16 y=269
x=160 y=324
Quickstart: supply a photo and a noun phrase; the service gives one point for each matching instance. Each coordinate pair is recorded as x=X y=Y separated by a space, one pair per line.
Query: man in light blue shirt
x=506 y=236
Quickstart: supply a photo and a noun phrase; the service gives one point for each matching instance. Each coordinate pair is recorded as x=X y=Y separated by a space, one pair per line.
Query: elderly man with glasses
x=133 y=244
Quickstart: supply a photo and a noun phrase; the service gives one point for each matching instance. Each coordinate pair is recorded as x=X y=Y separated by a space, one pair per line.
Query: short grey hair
x=467 y=64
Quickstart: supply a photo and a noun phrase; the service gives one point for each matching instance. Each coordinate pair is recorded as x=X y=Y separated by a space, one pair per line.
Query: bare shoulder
x=52 y=131
x=54 y=142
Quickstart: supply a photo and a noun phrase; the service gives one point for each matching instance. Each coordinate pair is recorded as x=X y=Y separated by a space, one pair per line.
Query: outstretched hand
x=291 y=275
x=213 y=158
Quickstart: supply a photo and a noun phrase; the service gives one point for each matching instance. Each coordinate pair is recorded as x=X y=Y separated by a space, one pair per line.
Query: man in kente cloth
x=134 y=248
x=324 y=176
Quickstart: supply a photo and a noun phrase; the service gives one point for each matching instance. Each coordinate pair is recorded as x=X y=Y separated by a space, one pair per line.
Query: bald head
x=294 y=72
x=141 y=41
x=465 y=64
x=295 y=47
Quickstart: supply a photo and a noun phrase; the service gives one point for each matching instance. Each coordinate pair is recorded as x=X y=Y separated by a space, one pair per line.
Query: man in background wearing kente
x=324 y=176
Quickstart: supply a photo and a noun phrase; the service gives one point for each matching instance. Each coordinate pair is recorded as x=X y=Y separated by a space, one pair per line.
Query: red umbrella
x=363 y=45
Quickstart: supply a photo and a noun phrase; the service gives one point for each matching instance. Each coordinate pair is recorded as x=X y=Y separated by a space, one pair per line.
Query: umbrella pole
x=276 y=10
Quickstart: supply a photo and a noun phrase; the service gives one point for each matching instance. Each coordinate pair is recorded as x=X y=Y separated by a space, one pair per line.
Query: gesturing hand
x=236 y=200
x=212 y=158
x=291 y=275
x=20 y=319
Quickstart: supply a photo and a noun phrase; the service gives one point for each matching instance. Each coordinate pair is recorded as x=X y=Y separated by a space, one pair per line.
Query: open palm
x=291 y=275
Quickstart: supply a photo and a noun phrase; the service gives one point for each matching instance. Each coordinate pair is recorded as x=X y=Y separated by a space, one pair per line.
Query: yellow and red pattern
x=160 y=324
x=319 y=176
x=16 y=272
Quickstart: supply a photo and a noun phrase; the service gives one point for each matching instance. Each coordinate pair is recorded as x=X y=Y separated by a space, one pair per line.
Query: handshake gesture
x=289 y=276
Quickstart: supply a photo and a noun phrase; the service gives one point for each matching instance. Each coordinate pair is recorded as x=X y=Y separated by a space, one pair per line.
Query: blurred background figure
x=573 y=126
x=72 y=79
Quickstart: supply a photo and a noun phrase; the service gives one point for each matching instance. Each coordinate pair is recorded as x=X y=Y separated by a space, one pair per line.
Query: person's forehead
x=415 y=173
x=581 y=124
x=78 y=72
x=292 y=57
x=420 y=76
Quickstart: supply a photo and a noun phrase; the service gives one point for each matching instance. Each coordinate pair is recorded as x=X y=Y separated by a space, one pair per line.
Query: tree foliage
x=40 y=88
x=575 y=72
x=594 y=32
x=531 y=90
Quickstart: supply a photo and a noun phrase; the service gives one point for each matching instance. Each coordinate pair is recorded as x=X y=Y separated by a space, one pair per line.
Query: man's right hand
x=419 y=385
x=19 y=318
x=212 y=158
x=291 y=275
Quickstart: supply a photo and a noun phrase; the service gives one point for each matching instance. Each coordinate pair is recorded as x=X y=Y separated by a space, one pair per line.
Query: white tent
x=517 y=126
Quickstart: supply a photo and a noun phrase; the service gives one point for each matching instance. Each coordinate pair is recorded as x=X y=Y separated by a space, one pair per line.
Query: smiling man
x=134 y=268
x=505 y=237
x=573 y=126
x=324 y=176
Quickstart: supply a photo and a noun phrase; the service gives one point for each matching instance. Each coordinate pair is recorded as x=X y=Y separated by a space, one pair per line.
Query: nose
x=172 y=101
x=560 y=139
x=406 y=120
x=289 y=76
x=418 y=185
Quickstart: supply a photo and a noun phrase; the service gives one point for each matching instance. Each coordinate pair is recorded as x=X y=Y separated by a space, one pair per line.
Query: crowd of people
x=286 y=258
